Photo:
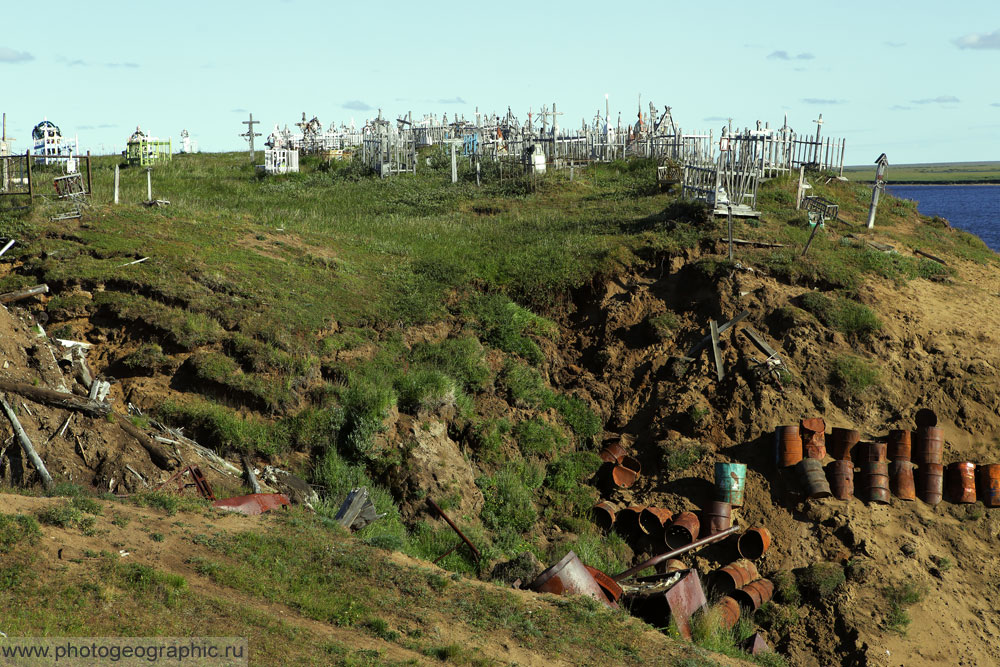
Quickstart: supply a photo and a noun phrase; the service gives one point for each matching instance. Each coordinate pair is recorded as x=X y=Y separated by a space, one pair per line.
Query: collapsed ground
x=477 y=345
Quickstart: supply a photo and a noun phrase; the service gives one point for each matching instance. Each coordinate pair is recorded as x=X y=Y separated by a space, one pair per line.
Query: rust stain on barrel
x=787 y=446
x=813 y=433
x=928 y=446
x=684 y=530
x=604 y=515
x=716 y=517
x=989 y=484
x=840 y=474
x=899 y=445
x=960 y=482
x=842 y=441
x=875 y=482
x=567 y=577
x=901 y=480
x=930 y=482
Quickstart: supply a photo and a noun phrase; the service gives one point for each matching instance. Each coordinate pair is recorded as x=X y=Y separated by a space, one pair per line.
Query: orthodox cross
x=250 y=134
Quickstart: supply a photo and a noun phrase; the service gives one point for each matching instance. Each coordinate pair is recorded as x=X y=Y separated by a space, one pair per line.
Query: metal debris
x=253 y=504
x=466 y=540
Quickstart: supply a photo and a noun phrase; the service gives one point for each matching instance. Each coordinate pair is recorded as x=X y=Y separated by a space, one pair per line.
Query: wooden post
x=716 y=354
x=116 y=183
x=90 y=180
x=798 y=194
x=31 y=183
x=871 y=210
x=729 y=208
x=454 y=165
x=26 y=445
x=251 y=477
x=149 y=184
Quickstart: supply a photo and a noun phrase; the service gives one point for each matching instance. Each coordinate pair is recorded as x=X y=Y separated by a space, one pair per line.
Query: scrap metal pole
x=26 y=445
x=656 y=560
x=871 y=211
x=31 y=183
x=90 y=180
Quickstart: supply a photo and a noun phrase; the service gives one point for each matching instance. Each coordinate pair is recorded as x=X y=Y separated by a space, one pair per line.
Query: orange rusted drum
x=754 y=594
x=899 y=445
x=787 y=446
x=729 y=612
x=603 y=514
x=653 y=519
x=682 y=531
x=612 y=453
x=901 y=480
x=672 y=565
x=631 y=463
x=716 y=516
x=627 y=521
x=842 y=441
x=930 y=483
x=735 y=575
x=928 y=445
x=754 y=543
x=623 y=477
x=813 y=479
x=570 y=576
x=813 y=434
x=875 y=482
x=869 y=452
x=840 y=475
x=960 y=482
x=989 y=484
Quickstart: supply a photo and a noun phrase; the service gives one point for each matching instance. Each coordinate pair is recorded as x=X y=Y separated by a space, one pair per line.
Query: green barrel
x=730 y=479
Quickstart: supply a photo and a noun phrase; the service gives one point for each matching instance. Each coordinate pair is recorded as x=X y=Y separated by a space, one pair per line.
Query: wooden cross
x=250 y=134
x=555 y=120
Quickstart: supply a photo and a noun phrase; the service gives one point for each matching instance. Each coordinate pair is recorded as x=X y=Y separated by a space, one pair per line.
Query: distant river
x=974 y=208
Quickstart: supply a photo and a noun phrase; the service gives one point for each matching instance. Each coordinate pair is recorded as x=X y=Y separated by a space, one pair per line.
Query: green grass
x=841 y=313
x=853 y=375
x=898 y=597
x=821 y=579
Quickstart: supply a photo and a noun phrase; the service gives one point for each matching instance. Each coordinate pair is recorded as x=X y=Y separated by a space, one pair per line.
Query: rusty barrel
x=869 y=452
x=813 y=433
x=729 y=612
x=875 y=482
x=610 y=587
x=754 y=594
x=840 y=475
x=623 y=477
x=627 y=521
x=960 y=482
x=813 y=479
x=753 y=543
x=733 y=576
x=569 y=577
x=612 y=453
x=603 y=514
x=631 y=463
x=989 y=484
x=653 y=519
x=930 y=483
x=672 y=565
x=899 y=445
x=787 y=446
x=716 y=516
x=682 y=531
x=928 y=445
x=842 y=441
x=901 y=480
x=730 y=480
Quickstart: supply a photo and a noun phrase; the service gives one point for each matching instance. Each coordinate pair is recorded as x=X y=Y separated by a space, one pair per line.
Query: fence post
x=149 y=184
x=31 y=185
x=90 y=181
x=116 y=184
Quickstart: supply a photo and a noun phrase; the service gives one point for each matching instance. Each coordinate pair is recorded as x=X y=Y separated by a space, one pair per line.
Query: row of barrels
x=886 y=468
x=795 y=443
x=742 y=589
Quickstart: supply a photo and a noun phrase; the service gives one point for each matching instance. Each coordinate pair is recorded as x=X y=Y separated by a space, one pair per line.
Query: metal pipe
x=675 y=553
x=455 y=528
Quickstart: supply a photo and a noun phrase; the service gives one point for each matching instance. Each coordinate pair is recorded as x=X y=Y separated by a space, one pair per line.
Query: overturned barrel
x=603 y=514
x=653 y=519
x=928 y=445
x=842 y=441
x=813 y=433
x=869 y=452
x=682 y=531
x=627 y=521
x=960 y=482
x=729 y=612
x=612 y=453
x=930 y=483
x=901 y=480
x=754 y=594
x=875 y=482
x=753 y=543
x=730 y=480
x=567 y=577
x=787 y=446
x=899 y=445
x=716 y=516
x=623 y=477
x=733 y=576
x=813 y=479
x=989 y=484
x=840 y=475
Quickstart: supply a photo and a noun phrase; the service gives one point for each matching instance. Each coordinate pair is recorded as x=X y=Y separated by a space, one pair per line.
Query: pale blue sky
x=916 y=79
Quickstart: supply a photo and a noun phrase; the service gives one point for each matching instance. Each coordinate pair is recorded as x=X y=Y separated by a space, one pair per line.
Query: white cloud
x=975 y=40
x=8 y=55
x=940 y=99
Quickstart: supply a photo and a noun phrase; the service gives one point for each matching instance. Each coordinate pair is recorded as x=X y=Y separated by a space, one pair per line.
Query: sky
x=915 y=79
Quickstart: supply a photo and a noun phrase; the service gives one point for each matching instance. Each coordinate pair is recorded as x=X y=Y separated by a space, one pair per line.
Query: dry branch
x=159 y=455
x=56 y=398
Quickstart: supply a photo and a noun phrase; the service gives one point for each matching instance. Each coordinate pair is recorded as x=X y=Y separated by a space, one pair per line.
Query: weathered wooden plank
x=759 y=342
x=716 y=354
x=929 y=256
x=26 y=445
x=722 y=329
x=56 y=398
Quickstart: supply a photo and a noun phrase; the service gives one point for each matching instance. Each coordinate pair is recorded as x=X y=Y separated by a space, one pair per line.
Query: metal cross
x=250 y=134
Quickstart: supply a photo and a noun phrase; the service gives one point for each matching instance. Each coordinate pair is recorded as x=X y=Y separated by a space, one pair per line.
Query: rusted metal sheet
x=569 y=577
x=716 y=516
x=989 y=484
x=813 y=433
x=682 y=531
x=755 y=644
x=653 y=519
x=685 y=598
x=842 y=441
x=901 y=480
x=197 y=480
x=928 y=445
x=930 y=483
x=787 y=446
x=899 y=445
x=754 y=543
x=840 y=475
x=610 y=587
x=603 y=514
x=813 y=479
x=255 y=503
x=960 y=482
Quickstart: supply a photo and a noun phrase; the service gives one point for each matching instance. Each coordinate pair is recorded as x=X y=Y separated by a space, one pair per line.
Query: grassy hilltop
x=343 y=326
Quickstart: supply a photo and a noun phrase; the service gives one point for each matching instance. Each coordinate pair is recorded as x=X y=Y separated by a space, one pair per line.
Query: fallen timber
x=57 y=398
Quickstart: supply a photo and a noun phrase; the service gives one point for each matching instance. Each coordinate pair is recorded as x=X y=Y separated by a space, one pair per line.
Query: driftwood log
x=250 y=475
x=163 y=459
x=56 y=398
x=26 y=445
x=23 y=294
